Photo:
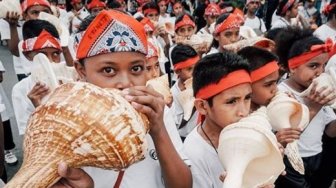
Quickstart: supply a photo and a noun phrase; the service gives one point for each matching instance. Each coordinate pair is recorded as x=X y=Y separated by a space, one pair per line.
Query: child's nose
x=123 y=82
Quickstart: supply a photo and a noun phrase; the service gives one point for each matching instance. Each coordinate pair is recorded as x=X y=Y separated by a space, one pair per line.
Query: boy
x=251 y=20
x=184 y=58
x=222 y=88
x=117 y=60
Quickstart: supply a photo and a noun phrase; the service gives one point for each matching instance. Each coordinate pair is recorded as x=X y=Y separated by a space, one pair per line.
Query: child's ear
x=216 y=36
x=80 y=69
x=201 y=106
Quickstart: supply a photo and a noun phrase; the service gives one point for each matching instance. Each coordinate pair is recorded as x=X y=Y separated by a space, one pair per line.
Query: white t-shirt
x=310 y=142
x=21 y=64
x=178 y=113
x=8 y=112
x=280 y=23
x=255 y=23
x=75 y=21
x=205 y=164
x=324 y=32
x=146 y=173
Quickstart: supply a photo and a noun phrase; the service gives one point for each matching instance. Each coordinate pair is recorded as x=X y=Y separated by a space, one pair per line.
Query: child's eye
x=108 y=70
x=248 y=97
x=148 y=68
x=137 y=68
x=231 y=101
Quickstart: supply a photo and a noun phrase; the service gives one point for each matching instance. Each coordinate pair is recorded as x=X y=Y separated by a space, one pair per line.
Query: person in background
x=95 y=6
x=210 y=15
x=251 y=20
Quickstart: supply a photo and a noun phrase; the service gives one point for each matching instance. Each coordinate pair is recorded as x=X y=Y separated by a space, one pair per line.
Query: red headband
x=148 y=24
x=286 y=6
x=187 y=63
x=75 y=1
x=212 y=9
x=185 y=21
x=150 y=10
x=96 y=4
x=232 y=79
x=112 y=31
x=232 y=21
x=29 y=3
x=264 y=71
x=44 y=40
x=315 y=50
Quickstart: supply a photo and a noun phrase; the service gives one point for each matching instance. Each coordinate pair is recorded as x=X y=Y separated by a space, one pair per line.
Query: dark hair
x=272 y=33
x=113 y=4
x=282 y=3
x=180 y=17
x=212 y=68
x=182 y=52
x=33 y=28
x=150 y=5
x=85 y=23
x=257 y=57
x=219 y=20
x=292 y=42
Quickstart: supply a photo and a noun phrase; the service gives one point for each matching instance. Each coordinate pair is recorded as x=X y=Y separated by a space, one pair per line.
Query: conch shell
x=249 y=152
x=325 y=80
x=51 y=74
x=186 y=99
x=256 y=41
x=286 y=112
x=9 y=6
x=201 y=43
x=82 y=125
x=161 y=85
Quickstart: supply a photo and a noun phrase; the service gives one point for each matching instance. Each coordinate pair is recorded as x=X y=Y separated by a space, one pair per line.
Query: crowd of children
x=237 y=54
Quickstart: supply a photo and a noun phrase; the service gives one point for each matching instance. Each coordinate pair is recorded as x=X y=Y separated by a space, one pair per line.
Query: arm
x=175 y=172
x=331 y=129
x=2 y=164
x=12 y=18
x=67 y=56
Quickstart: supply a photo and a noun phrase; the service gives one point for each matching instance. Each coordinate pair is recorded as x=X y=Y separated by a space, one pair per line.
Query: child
x=115 y=61
x=39 y=37
x=95 y=6
x=151 y=11
x=226 y=31
x=76 y=15
x=185 y=26
x=211 y=13
x=306 y=57
x=328 y=30
x=251 y=20
x=264 y=76
x=152 y=65
x=222 y=87
x=184 y=58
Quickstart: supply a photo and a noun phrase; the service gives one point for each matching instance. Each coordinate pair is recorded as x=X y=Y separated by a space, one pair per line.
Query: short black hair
x=33 y=28
x=294 y=41
x=182 y=52
x=85 y=23
x=212 y=68
x=272 y=33
x=257 y=57
x=113 y=4
x=150 y=5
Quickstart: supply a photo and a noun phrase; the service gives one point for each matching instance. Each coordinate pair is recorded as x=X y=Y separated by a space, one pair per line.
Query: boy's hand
x=288 y=135
x=147 y=101
x=36 y=95
x=321 y=96
x=72 y=177
x=12 y=18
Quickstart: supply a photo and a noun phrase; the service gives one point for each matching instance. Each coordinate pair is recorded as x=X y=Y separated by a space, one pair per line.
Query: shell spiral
x=82 y=125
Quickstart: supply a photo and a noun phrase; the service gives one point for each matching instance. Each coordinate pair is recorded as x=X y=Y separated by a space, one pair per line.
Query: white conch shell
x=161 y=85
x=51 y=74
x=82 y=125
x=61 y=28
x=9 y=6
x=249 y=152
x=235 y=47
x=286 y=112
x=326 y=80
x=199 y=42
x=186 y=99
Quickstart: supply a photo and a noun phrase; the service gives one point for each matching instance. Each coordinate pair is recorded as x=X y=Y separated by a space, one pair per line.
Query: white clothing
x=280 y=23
x=21 y=64
x=162 y=19
x=75 y=21
x=8 y=112
x=178 y=113
x=310 y=142
x=255 y=23
x=205 y=164
x=2 y=107
x=324 y=32
x=204 y=30
x=146 y=173
x=22 y=105
x=212 y=51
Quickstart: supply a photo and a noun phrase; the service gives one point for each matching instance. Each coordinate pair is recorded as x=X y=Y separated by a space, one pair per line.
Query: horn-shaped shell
x=161 y=86
x=286 y=112
x=249 y=152
x=82 y=125
x=186 y=99
x=9 y=6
